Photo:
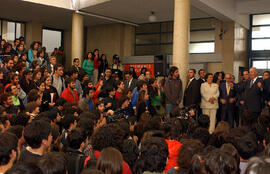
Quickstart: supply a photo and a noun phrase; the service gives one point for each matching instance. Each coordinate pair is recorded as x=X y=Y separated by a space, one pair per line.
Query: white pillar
x=181 y=37
x=77 y=37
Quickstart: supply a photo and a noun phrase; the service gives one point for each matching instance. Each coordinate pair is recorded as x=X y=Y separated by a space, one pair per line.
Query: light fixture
x=152 y=17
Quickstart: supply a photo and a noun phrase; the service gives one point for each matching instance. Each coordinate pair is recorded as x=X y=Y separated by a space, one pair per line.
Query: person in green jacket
x=155 y=95
x=88 y=65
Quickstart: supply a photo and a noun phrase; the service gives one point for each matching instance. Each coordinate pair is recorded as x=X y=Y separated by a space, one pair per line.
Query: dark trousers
x=227 y=114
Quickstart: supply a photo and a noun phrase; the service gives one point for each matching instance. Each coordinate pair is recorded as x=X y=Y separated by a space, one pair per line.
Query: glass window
x=18 y=30
x=263 y=19
x=260 y=64
x=167 y=38
x=198 y=24
x=148 y=50
x=51 y=39
x=148 y=39
x=260 y=32
x=197 y=36
x=148 y=28
x=11 y=31
x=167 y=27
x=260 y=44
x=207 y=47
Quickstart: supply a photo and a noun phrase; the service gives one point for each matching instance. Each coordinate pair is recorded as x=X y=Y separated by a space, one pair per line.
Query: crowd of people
x=100 y=118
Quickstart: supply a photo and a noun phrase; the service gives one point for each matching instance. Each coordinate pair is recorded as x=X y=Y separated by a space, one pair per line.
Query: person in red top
x=120 y=88
x=96 y=65
x=70 y=93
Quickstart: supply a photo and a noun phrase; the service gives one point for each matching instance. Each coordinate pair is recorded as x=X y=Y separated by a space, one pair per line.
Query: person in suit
x=253 y=93
x=209 y=101
x=240 y=94
x=76 y=64
x=51 y=65
x=227 y=99
x=192 y=91
x=201 y=74
x=130 y=82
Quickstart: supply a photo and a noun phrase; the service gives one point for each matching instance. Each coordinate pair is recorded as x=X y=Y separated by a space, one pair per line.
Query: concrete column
x=181 y=37
x=77 y=37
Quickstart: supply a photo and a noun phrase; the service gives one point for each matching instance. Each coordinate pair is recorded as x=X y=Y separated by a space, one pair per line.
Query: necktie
x=228 y=90
x=251 y=83
x=188 y=84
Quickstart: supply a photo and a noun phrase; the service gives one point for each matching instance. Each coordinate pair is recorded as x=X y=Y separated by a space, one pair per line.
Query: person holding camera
x=117 y=66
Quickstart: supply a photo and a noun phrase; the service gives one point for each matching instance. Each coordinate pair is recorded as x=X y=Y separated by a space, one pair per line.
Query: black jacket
x=192 y=94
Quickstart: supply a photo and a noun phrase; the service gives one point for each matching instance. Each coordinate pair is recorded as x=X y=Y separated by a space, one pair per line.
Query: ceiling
x=136 y=11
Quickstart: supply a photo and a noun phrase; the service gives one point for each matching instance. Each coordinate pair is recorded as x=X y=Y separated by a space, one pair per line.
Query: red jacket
x=96 y=63
x=125 y=169
x=173 y=147
x=67 y=95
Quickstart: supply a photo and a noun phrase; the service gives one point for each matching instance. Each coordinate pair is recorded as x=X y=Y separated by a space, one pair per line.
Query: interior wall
x=33 y=32
x=111 y=39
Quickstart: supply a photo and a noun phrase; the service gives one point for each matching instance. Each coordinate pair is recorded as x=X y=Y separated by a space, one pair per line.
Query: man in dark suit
x=130 y=82
x=201 y=74
x=192 y=91
x=253 y=93
x=227 y=94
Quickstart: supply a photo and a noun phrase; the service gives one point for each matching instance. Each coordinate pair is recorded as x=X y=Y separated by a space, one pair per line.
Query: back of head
x=76 y=137
x=201 y=134
x=8 y=143
x=91 y=171
x=154 y=153
x=247 y=146
x=231 y=150
x=53 y=163
x=222 y=126
x=218 y=162
x=204 y=121
x=24 y=168
x=258 y=165
x=35 y=132
x=187 y=150
x=110 y=161
x=110 y=135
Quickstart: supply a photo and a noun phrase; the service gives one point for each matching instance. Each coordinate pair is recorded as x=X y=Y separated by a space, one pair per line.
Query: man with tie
x=227 y=92
x=130 y=82
x=192 y=91
x=253 y=93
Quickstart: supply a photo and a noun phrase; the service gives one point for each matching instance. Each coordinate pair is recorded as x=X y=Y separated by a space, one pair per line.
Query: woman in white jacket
x=209 y=102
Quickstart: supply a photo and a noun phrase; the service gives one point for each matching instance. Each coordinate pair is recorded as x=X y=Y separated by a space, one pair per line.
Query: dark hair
x=75 y=59
x=67 y=120
x=218 y=162
x=91 y=171
x=140 y=84
x=21 y=119
x=87 y=124
x=24 y=168
x=173 y=129
x=130 y=152
x=35 y=132
x=4 y=97
x=53 y=163
x=69 y=80
x=16 y=130
x=215 y=78
x=33 y=95
x=33 y=44
x=76 y=137
x=8 y=142
x=200 y=71
x=207 y=75
x=108 y=135
x=194 y=70
x=30 y=107
x=187 y=150
x=247 y=146
x=58 y=66
x=110 y=161
x=172 y=70
x=203 y=121
x=121 y=100
x=231 y=150
x=201 y=134
x=153 y=155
